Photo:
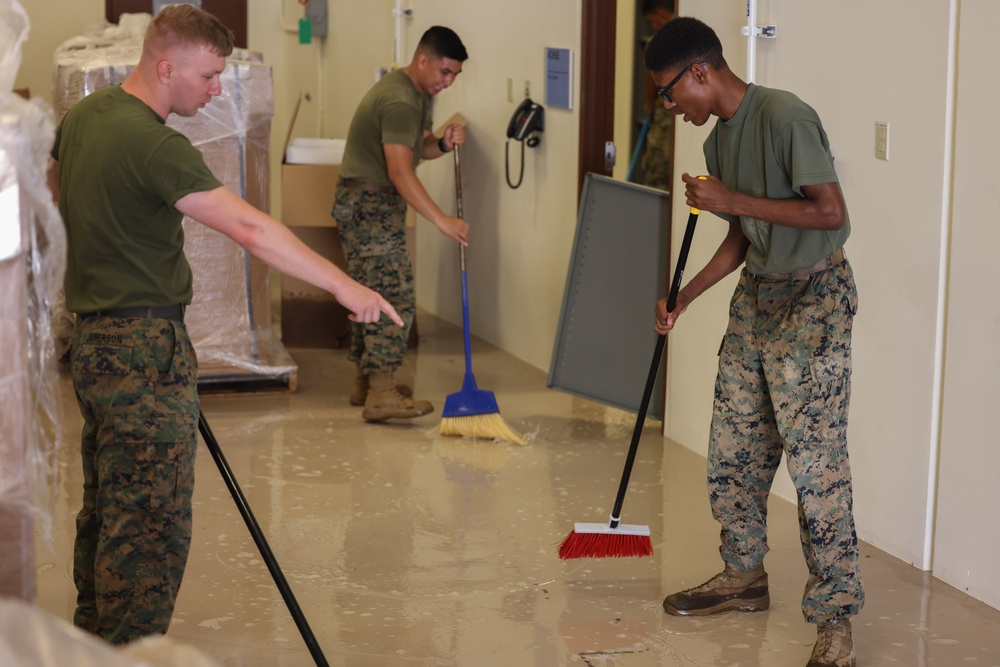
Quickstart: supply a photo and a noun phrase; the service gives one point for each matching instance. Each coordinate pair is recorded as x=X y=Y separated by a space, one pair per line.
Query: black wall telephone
x=528 y=118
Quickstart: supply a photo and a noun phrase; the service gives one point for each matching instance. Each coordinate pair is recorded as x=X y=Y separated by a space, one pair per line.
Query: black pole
x=654 y=367
x=262 y=546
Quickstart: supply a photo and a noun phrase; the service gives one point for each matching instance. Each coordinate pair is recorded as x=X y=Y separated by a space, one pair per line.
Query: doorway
x=602 y=43
x=233 y=14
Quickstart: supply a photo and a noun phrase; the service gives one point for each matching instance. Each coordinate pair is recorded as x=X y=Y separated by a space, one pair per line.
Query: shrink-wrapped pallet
x=230 y=317
x=32 y=263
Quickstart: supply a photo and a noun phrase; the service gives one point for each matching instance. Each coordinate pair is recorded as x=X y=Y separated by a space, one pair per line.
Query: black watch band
x=441 y=145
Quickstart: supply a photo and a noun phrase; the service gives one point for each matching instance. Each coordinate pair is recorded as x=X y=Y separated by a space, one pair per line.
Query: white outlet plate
x=882 y=140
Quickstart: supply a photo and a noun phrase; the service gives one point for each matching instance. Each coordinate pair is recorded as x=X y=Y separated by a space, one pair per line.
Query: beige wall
x=51 y=25
x=921 y=246
x=521 y=239
x=966 y=544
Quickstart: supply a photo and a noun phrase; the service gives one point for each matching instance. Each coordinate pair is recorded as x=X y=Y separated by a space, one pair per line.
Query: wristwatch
x=441 y=145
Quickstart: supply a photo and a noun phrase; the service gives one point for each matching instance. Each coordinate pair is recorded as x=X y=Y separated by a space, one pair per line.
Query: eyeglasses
x=664 y=92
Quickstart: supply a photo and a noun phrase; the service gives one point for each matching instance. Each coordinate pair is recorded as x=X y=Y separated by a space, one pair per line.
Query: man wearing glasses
x=783 y=384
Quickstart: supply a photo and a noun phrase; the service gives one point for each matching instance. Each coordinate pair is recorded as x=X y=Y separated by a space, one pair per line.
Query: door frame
x=598 y=42
x=597 y=85
x=233 y=13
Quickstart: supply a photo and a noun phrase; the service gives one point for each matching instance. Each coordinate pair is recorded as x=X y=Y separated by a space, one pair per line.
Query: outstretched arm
x=263 y=236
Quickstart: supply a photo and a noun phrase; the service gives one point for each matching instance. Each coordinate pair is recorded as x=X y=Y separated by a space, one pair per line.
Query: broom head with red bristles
x=598 y=540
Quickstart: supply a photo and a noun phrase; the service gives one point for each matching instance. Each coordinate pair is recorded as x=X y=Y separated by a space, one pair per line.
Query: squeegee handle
x=654 y=367
x=682 y=257
x=258 y=537
x=675 y=284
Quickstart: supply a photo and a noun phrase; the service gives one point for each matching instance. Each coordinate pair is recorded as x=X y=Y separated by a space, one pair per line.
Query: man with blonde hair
x=125 y=182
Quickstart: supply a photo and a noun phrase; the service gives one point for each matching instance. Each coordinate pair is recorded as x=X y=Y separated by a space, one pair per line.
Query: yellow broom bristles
x=490 y=426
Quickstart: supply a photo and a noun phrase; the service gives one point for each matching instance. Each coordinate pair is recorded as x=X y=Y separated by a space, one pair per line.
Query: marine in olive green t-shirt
x=392 y=112
x=126 y=243
x=772 y=146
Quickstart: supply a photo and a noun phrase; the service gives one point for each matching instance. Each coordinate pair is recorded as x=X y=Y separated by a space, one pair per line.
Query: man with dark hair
x=125 y=182
x=785 y=363
x=389 y=135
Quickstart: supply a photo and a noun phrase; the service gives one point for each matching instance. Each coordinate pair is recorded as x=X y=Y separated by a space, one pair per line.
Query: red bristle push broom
x=616 y=539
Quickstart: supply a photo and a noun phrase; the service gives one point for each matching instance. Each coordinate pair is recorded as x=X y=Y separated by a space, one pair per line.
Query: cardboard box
x=307 y=192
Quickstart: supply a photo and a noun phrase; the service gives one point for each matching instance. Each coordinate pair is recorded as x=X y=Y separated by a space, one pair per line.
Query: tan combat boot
x=384 y=401
x=834 y=645
x=359 y=392
x=730 y=589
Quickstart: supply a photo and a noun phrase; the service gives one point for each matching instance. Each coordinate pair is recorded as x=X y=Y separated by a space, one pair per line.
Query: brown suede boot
x=730 y=589
x=834 y=645
x=384 y=401
x=359 y=392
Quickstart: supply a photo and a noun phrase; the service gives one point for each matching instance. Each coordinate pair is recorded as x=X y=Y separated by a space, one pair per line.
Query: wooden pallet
x=224 y=380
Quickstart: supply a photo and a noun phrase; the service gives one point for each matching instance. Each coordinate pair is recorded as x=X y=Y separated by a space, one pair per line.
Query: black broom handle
x=647 y=393
x=262 y=546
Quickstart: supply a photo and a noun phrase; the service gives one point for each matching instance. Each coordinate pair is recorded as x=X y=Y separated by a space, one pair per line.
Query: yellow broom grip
x=697 y=211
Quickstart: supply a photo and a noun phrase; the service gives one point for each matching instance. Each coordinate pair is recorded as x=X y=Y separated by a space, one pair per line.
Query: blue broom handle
x=460 y=213
x=465 y=315
x=638 y=146
x=647 y=393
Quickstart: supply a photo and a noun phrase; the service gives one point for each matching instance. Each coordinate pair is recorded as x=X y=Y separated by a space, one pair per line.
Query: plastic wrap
x=31 y=638
x=32 y=264
x=230 y=317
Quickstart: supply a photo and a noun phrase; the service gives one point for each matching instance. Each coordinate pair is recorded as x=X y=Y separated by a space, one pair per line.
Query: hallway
x=408 y=549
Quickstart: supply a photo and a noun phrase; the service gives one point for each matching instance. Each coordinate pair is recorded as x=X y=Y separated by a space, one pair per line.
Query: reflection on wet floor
x=407 y=548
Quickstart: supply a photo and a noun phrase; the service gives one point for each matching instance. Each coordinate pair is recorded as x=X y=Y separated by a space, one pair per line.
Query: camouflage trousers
x=784 y=385
x=373 y=232
x=135 y=383
x=658 y=150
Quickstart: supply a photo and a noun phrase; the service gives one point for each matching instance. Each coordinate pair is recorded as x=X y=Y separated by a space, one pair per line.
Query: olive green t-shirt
x=772 y=146
x=392 y=112
x=121 y=170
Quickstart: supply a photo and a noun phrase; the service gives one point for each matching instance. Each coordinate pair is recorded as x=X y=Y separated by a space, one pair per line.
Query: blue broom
x=472 y=411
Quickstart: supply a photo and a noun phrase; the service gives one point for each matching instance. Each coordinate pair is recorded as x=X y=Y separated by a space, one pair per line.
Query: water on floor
x=404 y=548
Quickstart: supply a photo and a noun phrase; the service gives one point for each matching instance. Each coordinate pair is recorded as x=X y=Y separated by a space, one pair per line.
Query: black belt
x=174 y=312
x=366 y=186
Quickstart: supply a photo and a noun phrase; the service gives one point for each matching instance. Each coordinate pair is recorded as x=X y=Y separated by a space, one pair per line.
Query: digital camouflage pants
x=659 y=149
x=373 y=232
x=135 y=383
x=784 y=385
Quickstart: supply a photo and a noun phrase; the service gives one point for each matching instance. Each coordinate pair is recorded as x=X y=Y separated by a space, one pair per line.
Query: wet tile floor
x=405 y=548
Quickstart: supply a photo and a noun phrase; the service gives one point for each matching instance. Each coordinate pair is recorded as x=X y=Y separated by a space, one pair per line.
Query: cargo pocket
x=101 y=359
x=152 y=465
x=824 y=415
x=343 y=211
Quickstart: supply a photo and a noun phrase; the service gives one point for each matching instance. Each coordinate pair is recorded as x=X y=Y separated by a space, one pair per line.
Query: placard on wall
x=558 y=78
